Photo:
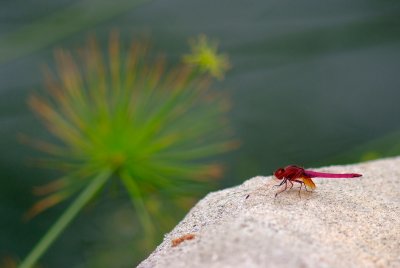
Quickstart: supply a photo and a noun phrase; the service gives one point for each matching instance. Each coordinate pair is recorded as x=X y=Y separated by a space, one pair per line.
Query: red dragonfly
x=291 y=174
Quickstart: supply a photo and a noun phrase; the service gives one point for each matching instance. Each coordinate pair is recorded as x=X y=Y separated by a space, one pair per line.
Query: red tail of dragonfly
x=294 y=174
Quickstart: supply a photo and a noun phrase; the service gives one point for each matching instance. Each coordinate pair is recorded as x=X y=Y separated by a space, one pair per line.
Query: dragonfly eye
x=279 y=173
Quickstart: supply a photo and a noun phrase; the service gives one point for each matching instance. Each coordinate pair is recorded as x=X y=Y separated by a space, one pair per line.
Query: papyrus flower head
x=205 y=57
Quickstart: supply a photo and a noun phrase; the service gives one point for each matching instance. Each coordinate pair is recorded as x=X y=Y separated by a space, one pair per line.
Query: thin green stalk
x=65 y=219
x=137 y=200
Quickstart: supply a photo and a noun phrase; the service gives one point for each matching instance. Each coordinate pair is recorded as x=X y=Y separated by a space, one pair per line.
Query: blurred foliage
x=57 y=25
x=131 y=118
x=8 y=262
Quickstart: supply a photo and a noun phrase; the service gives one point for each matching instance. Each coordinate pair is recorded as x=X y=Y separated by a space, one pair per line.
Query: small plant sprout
x=123 y=114
x=204 y=56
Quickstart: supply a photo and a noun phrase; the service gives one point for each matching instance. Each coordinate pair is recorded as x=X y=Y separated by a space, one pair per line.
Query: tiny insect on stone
x=177 y=241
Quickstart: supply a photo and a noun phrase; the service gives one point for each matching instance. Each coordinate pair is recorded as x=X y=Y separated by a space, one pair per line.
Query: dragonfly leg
x=284 y=189
x=301 y=186
x=278 y=185
x=291 y=185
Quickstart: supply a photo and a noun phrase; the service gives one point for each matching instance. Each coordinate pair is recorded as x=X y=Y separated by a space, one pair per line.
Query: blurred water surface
x=312 y=83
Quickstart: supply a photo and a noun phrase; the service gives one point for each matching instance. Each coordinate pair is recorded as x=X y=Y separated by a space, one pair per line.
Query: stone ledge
x=343 y=223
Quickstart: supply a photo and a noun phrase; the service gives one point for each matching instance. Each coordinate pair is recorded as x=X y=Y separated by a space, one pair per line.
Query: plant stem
x=69 y=214
x=137 y=201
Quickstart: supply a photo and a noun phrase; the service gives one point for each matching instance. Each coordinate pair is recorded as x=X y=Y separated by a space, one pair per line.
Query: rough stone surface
x=343 y=223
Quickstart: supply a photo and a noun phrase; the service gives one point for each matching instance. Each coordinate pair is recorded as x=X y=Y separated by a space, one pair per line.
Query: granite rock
x=343 y=223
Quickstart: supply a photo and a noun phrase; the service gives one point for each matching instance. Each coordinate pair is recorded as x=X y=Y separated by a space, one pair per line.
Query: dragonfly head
x=279 y=173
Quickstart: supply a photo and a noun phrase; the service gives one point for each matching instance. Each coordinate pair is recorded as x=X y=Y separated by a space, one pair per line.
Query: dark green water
x=313 y=83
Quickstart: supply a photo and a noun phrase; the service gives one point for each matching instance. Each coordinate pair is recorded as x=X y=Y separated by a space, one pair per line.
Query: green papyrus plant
x=127 y=115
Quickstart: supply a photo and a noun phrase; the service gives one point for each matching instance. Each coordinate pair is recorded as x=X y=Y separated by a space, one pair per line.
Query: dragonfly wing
x=309 y=183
